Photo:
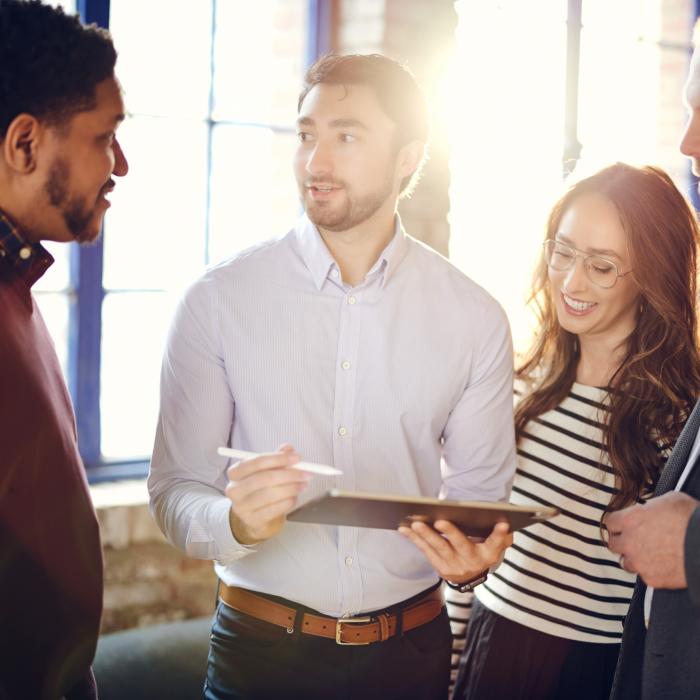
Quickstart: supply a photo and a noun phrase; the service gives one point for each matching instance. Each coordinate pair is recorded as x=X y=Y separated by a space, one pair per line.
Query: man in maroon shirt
x=60 y=106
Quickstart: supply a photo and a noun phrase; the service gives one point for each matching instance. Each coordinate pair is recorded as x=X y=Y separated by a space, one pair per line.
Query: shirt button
x=25 y=252
x=351 y=300
x=345 y=365
x=342 y=431
x=334 y=273
x=348 y=561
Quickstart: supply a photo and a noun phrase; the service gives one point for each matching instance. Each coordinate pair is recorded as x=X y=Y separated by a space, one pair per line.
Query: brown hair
x=394 y=86
x=658 y=381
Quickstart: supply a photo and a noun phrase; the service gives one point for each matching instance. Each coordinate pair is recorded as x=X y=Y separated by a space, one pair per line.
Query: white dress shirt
x=403 y=382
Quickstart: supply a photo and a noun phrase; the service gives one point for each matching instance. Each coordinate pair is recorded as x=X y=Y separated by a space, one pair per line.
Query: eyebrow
x=348 y=123
x=593 y=251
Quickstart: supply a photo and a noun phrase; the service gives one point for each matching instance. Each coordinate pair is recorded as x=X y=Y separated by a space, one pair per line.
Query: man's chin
x=88 y=237
x=327 y=220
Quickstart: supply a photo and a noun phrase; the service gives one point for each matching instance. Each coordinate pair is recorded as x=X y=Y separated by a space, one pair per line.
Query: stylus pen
x=302 y=466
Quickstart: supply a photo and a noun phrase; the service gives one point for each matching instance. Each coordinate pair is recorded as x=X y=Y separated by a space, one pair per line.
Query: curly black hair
x=50 y=63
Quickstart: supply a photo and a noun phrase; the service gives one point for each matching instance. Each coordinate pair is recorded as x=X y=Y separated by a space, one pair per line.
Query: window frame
x=86 y=264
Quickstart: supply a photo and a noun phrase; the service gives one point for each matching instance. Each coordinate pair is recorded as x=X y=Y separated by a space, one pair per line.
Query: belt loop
x=383 y=620
x=298 y=623
x=399 y=623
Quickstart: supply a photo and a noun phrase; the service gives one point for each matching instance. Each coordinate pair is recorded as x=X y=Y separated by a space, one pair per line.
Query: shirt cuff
x=228 y=549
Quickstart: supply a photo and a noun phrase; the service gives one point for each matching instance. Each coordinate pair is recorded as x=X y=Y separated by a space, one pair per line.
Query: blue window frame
x=87 y=293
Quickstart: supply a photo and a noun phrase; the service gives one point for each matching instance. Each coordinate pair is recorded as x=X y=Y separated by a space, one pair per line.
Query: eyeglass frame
x=584 y=256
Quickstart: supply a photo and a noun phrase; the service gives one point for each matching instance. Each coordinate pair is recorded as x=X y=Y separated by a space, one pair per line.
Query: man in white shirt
x=362 y=349
x=660 y=541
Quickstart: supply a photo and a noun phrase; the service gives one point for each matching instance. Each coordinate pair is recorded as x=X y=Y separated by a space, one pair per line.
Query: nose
x=318 y=161
x=575 y=279
x=121 y=166
x=690 y=143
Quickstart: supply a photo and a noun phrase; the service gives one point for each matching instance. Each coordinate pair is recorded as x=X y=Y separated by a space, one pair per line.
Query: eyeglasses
x=601 y=271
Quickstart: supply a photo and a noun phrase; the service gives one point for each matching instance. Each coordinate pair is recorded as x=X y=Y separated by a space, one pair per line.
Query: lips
x=321 y=191
x=577 y=307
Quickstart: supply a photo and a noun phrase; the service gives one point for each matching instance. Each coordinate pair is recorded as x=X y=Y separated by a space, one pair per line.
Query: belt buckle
x=349 y=621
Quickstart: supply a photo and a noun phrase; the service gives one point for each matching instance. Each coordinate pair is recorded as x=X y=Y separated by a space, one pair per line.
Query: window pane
x=259 y=60
x=57 y=277
x=150 y=241
x=134 y=327
x=67 y=5
x=164 y=60
x=619 y=83
x=490 y=209
x=54 y=308
x=253 y=194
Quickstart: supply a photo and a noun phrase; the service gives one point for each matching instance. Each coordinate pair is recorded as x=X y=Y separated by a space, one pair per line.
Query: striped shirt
x=559 y=577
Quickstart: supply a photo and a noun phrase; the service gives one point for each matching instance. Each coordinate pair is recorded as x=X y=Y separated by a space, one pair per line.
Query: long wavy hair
x=658 y=381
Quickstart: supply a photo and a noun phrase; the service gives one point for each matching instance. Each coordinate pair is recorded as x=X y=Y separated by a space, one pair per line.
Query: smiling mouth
x=576 y=305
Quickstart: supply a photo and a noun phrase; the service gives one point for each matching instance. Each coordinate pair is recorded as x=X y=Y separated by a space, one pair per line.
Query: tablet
x=388 y=511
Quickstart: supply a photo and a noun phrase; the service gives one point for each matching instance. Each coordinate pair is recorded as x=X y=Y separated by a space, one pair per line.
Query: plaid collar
x=30 y=260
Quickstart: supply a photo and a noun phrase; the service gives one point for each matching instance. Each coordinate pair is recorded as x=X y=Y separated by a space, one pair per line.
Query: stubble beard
x=76 y=214
x=352 y=212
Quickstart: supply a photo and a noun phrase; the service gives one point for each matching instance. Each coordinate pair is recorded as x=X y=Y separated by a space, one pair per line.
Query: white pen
x=302 y=466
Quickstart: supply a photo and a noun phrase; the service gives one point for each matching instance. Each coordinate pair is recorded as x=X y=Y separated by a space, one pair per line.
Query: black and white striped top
x=559 y=577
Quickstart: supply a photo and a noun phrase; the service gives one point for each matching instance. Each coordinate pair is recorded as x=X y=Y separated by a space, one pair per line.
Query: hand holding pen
x=263 y=489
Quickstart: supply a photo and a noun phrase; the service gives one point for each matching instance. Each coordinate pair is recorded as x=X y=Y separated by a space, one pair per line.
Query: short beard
x=355 y=211
x=75 y=212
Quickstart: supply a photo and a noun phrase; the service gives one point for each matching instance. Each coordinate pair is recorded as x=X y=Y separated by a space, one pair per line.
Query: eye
x=347 y=138
x=563 y=252
x=601 y=267
x=303 y=136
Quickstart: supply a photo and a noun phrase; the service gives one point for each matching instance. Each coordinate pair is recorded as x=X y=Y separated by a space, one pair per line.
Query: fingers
x=430 y=543
x=262 y=491
x=286 y=457
x=454 y=555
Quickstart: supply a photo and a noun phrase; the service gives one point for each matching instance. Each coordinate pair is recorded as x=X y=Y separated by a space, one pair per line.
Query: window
x=506 y=121
x=210 y=156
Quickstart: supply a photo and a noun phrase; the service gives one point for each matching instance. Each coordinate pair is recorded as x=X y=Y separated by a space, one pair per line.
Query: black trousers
x=503 y=660
x=253 y=659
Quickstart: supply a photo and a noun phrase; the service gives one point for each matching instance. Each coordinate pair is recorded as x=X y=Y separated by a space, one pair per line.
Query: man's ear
x=21 y=144
x=410 y=157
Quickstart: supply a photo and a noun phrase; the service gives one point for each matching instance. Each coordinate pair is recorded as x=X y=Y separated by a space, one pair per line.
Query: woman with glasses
x=602 y=396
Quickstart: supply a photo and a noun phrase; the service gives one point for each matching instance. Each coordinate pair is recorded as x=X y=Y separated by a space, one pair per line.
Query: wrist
x=470 y=584
x=239 y=531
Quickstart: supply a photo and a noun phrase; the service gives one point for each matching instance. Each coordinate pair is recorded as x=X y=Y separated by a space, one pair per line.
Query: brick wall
x=146 y=580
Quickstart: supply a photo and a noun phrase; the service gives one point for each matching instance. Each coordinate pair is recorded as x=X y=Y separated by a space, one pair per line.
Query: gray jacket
x=663 y=661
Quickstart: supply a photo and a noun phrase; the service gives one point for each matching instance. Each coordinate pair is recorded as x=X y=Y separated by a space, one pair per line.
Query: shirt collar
x=30 y=260
x=320 y=262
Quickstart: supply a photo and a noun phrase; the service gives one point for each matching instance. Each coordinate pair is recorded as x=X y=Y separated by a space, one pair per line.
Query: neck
x=599 y=360
x=357 y=249
x=16 y=210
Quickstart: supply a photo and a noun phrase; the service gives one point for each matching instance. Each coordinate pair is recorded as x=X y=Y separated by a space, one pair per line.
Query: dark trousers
x=253 y=659
x=503 y=660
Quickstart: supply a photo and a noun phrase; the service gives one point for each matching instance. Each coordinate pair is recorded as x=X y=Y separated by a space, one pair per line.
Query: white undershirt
x=683 y=477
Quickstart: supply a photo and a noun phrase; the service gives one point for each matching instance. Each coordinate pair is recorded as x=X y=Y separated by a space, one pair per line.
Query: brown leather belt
x=363 y=629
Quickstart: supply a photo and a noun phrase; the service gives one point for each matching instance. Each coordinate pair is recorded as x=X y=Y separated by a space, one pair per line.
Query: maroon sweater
x=50 y=555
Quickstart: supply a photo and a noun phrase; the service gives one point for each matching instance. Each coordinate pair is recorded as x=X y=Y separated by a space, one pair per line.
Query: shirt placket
x=343 y=438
